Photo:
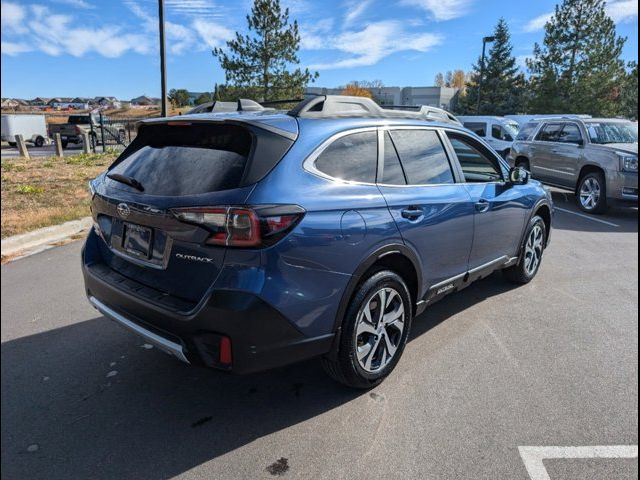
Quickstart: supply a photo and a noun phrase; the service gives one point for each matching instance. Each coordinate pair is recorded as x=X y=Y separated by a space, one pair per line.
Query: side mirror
x=580 y=142
x=519 y=176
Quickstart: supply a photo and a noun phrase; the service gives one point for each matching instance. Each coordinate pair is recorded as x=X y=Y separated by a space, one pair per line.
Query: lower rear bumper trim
x=166 y=345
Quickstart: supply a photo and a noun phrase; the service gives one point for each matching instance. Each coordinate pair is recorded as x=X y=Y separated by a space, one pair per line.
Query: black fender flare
x=541 y=202
x=356 y=277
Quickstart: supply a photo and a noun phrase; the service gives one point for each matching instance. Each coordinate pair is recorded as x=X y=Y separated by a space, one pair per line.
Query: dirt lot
x=47 y=190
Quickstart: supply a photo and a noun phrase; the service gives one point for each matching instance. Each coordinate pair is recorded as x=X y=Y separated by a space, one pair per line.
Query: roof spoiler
x=330 y=106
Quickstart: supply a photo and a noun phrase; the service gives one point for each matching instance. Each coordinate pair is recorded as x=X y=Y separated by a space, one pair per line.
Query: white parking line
x=533 y=456
x=587 y=217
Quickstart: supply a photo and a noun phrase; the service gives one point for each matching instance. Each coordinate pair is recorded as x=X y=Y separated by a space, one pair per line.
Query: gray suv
x=597 y=158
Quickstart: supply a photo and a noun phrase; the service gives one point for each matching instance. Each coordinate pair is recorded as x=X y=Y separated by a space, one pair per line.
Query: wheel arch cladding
x=397 y=258
x=586 y=170
x=544 y=212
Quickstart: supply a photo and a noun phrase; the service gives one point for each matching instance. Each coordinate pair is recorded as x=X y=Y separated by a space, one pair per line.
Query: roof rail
x=330 y=106
x=241 y=105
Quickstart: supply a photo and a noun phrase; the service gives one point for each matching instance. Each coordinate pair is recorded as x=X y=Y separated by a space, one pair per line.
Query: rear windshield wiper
x=132 y=182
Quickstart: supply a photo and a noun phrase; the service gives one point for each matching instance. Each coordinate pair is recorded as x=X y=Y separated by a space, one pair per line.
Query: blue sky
x=109 y=47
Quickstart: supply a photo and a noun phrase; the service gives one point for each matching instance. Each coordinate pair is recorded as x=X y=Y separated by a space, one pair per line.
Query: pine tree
x=502 y=84
x=629 y=93
x=261 y=60
x=578 y=68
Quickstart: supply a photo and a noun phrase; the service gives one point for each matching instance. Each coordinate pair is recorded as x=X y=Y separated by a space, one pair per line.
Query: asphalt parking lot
x=497 y=382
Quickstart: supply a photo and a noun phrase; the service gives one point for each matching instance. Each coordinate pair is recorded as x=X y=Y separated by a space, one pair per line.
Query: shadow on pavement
x=66 y=414
x=619 y=219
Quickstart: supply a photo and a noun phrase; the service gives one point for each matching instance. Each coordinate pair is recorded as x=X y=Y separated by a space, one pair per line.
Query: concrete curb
x=43 y=238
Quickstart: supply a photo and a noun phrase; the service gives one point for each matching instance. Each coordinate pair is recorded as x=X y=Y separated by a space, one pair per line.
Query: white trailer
x=33 y=128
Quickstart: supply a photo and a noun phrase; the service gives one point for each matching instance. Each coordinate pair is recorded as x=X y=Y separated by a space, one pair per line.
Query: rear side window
x=392 y=173
x=423 y=157
x=497 y=131
x=478 y=128
x=527 y=130
x=353 y=158
x=550 y=132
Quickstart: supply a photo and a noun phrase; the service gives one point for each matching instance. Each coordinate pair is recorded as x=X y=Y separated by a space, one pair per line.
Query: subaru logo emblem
x=123 y=210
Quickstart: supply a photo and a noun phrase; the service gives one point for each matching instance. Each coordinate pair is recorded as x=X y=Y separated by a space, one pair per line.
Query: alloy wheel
x=379 y=328
x=590 y=193
x=533 y=250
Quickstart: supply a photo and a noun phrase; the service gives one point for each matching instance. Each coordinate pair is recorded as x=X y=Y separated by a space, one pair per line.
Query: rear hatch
x=173 y=167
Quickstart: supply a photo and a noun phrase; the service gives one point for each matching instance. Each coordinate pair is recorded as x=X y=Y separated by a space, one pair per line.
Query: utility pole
x=485 y=40
x=163 y=60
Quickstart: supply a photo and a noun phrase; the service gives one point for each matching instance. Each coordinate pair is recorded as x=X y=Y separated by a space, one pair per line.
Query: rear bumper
x=261 y=338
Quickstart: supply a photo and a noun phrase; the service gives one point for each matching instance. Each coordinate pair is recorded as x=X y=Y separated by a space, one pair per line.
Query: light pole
x=485 y=40
x=163 y=60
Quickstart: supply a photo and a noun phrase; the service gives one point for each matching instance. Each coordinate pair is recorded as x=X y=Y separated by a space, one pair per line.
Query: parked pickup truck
x=77 y=125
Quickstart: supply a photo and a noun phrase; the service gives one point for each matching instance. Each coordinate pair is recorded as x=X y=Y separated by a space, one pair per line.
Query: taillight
x=249 y=227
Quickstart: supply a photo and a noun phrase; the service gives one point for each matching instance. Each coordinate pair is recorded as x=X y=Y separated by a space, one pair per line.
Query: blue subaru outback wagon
x=252 y=239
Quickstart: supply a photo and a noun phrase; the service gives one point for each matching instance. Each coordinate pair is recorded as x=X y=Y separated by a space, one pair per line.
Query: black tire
x=600 y=205
x=520 y=273
x=39 y=142
x=346 y=367
x=523 y=163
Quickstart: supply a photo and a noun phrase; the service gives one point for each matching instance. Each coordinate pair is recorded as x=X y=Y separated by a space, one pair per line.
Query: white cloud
x=521 y=61
x=193 y=8
x=313 y=36
x=55 y=34
x=77 y=4
x=441 y=9
x=12 y=17
x=213 y=35
x=375 y=42
x=538 y=23
x=355 y=11
x=13 y=49
x=620 y=11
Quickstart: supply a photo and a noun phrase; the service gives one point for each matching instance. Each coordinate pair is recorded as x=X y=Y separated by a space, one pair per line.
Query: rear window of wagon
x=187 y=158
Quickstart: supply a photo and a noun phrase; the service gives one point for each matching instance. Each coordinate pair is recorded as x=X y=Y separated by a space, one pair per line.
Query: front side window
x=352 y=158
x=477 y=163
x=479 y=128
x=550 y=132
x=570 y=134
x=422 y=156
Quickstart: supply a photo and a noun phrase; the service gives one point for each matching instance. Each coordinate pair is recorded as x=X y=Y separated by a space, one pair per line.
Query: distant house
x=144 y=101
x=39 y=101
x=108 y=102
x=60 y=102
x=12 y=103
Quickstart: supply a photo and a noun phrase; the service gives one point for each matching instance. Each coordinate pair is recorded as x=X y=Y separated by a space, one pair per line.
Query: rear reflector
x=225 y=350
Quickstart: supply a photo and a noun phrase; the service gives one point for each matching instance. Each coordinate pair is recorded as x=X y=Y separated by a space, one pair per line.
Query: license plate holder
x=137 y=240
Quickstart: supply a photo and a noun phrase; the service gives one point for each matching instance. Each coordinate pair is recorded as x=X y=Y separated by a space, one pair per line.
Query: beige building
x=442 y=97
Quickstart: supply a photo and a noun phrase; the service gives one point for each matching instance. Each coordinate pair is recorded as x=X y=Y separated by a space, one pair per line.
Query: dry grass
x=46 y=191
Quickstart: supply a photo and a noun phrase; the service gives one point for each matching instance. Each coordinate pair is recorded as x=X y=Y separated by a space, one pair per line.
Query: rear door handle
x=411 y=213
x=482 y=205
